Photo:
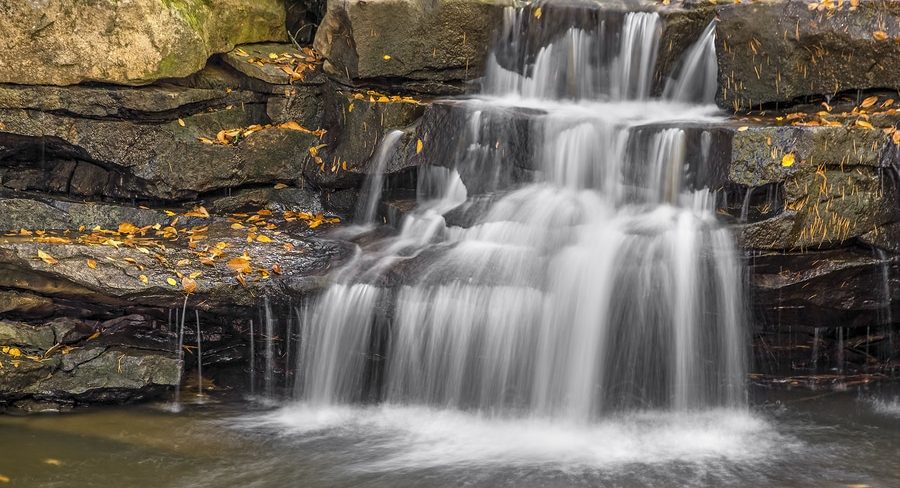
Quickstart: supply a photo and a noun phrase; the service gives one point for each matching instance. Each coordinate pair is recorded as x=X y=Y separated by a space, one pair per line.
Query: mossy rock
x=131 y=43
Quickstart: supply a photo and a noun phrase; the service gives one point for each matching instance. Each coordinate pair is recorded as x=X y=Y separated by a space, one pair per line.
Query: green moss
x=194 y=12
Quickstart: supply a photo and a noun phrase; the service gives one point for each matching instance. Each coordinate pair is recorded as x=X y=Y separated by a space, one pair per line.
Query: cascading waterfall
x=604 y=283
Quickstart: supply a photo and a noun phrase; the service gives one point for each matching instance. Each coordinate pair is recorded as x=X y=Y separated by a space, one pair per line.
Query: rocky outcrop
x=53 y=365
x=782 y=50
x=443 y=41
x=823 y=186
x=130 y=43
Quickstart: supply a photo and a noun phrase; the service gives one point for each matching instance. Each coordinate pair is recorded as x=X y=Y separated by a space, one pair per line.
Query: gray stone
x=412 y=39
x=780 y=50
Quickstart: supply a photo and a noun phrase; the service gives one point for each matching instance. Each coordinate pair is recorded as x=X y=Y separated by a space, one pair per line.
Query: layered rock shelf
x=153 y=152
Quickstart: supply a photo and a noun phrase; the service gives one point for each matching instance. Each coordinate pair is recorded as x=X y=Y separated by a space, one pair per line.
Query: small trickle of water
x=370 y=197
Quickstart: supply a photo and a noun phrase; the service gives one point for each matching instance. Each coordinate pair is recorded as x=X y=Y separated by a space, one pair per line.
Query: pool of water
x=797 y=439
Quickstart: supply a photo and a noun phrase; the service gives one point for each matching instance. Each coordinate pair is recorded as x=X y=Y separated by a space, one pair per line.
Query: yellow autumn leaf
x=880 y=35
x=92 y=263
x=13 y=351
x=4 y=479
x=46 y=257
x=788 y=160
x=263 y=238
x=171 y=281
x=280 y=186
x=537 y=13
x=52 y=462
x=896 y=137
x=144 y=279
x=240 y=264
x=181 y=122
x=742 y=128
x=419 y=145
x=386 y=57
x=863 y=124
x=868 y=102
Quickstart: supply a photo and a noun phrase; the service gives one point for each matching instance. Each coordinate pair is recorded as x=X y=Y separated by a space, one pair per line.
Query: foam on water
x=394 y=437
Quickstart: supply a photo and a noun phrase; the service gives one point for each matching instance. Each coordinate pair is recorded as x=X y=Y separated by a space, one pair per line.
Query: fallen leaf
x=240 y=264
x=868 y=102
x=92 y=264
x=276 y=268
x=880 y=35
x=4 y=479
x=171 y=281
x=52 y=462
x=788 y=160
x=863 y=124
x=280 y=186
x=742 y=128
x=387 y=57
x=181 y=122
x=537 y=13
x=198 y=212
x=189 y=285
x=263 y=238
x=419 y=146
x=46 y=257
x=144 y=279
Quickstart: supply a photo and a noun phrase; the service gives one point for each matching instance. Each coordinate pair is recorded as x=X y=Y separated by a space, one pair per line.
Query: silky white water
x=567 y=303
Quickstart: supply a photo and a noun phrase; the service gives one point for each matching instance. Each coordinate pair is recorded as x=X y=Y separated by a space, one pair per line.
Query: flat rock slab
x=231 y=263
x=276 y=63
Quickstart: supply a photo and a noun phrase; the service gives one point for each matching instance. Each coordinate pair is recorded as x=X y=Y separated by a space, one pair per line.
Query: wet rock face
x=131 y=43
x=840 y=183
x=782 y=50
x=419 y=40
x=67 y=361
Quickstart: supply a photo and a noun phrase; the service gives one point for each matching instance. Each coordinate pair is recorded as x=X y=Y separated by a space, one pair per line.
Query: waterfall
x=371 y=194
x=602 y=283
x=698 y=80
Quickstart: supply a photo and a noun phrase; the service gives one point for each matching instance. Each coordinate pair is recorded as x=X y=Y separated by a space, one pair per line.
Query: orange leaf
x=198 y=212
x=189 y=285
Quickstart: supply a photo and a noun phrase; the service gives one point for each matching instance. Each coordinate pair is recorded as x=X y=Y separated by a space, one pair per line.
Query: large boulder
x=777 y=51
x=132 y=43
x=413 y=39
